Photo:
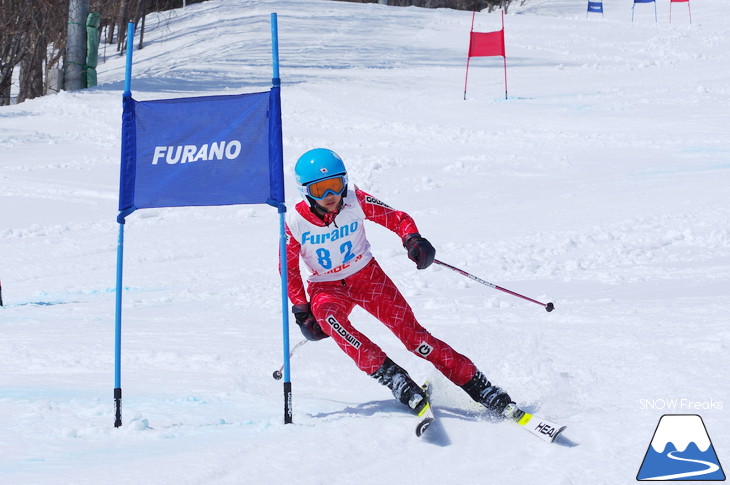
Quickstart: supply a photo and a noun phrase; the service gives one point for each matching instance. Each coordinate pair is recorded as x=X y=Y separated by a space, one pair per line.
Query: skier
x=326 y=230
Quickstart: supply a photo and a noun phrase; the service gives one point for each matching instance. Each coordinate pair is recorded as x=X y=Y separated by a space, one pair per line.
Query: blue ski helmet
x=316 y=165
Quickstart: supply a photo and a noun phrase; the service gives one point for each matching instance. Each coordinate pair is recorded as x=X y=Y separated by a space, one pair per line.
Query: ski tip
x=422 y=426
x=558 y=433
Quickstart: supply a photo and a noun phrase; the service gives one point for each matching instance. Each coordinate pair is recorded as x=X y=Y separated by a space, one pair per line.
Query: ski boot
x=400 y=383
x=494 y=398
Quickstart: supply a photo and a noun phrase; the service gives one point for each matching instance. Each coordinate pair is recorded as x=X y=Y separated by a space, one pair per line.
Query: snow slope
x=600 y=185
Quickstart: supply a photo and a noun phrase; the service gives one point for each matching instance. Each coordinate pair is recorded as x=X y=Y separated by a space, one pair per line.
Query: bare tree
x=33 y=36
x=118 y=13
x=13 y=20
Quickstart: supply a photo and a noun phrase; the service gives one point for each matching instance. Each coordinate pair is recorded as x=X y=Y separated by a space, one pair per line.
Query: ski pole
x=277 y=373
x=548 y=306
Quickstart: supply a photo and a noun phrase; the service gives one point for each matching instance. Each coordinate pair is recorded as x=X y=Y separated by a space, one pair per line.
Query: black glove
x=419 y=250
x=307 y=323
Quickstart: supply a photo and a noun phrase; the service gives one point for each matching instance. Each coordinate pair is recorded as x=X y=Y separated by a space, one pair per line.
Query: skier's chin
x=329 y=204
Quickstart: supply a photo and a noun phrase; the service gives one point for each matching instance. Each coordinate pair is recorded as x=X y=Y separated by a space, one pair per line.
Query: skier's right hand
x=307 y=323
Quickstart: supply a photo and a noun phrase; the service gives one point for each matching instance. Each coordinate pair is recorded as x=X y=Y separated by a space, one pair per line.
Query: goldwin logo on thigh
x=332 y=321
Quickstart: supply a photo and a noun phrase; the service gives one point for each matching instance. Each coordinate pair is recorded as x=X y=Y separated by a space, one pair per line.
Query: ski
x=537 y=426
x=425 y=415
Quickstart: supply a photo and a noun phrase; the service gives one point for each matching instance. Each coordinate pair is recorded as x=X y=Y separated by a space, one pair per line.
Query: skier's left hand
x=420 y=251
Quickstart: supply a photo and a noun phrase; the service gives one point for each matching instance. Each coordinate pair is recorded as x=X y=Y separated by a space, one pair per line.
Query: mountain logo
x=681 y=450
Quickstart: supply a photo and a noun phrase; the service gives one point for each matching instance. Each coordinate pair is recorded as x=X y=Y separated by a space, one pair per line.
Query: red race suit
x=343 y=273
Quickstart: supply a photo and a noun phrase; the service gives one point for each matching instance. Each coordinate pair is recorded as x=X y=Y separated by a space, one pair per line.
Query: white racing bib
x=336 y=251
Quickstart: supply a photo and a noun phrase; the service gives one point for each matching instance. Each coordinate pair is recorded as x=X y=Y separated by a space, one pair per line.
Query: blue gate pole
x=118 y=332
x=276 y=82
x=120 y=259
x=285 y=315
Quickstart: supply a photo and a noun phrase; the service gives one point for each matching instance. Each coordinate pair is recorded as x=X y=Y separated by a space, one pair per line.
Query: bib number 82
x=325 y=260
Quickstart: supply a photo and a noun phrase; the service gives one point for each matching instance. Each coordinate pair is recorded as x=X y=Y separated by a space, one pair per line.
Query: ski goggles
x=321 y=189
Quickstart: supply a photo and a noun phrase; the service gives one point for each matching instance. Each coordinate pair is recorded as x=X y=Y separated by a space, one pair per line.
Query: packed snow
x=600 y=184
